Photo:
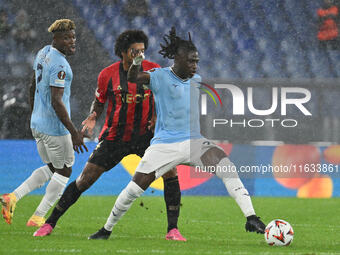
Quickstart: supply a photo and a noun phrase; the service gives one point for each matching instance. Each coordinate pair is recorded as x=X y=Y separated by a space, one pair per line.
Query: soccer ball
x=279 y=233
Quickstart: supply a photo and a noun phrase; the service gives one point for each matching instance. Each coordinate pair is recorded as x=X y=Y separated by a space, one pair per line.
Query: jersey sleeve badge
x=61 y=75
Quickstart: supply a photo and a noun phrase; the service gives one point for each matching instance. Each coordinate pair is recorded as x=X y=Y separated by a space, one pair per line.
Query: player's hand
x=138 y=57
x=78 y=141
x=152 y=123
x=89 y=123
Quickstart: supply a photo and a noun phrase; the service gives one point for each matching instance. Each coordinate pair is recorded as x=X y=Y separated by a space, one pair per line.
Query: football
x=279 y=233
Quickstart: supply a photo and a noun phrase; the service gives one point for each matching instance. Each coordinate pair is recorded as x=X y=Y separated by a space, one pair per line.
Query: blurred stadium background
x=260 y=44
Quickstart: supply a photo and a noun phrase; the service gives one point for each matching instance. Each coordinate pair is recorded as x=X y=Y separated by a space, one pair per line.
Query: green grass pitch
x=212 y=225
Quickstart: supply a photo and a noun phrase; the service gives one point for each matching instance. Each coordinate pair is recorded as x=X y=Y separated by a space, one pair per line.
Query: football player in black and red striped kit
x=126 y=131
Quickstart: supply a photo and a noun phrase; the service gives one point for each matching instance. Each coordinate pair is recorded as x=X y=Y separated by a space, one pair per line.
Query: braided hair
x=173 y=43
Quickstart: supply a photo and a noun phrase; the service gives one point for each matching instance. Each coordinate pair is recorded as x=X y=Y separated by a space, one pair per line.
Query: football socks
x=123 y=203
x=37 y=179
x=53 y=192
x=172 y=197
x=235 y=187
x=69 y=197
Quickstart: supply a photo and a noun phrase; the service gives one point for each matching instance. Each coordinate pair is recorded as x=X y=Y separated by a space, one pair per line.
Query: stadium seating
x=16 y=59
x=236 y=39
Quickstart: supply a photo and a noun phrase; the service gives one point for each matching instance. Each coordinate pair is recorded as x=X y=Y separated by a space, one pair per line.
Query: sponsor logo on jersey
x=133 y=98
x=130 y=98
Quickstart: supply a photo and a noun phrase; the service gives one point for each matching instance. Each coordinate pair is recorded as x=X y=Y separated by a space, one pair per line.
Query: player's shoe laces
x=175 y=235
x=8 y=202
x=102 y=234
x=35 y=221
x=44 y=230
x=254 y=224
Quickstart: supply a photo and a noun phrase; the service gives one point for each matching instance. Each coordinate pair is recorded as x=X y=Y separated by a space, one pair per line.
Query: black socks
x=172 y=197
x=69 y=197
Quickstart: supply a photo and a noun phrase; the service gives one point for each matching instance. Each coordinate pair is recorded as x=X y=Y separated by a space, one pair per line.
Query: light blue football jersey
x=177 y=106
x=51 y=69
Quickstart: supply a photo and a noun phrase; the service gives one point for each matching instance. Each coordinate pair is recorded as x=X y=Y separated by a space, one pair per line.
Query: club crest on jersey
x=61 y=75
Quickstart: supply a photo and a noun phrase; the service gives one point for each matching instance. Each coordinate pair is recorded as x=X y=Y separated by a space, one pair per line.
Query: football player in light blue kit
x=177 y=139
x=52 y=128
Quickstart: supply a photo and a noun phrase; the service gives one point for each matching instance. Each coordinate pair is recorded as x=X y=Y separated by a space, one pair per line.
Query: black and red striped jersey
x=130 y=107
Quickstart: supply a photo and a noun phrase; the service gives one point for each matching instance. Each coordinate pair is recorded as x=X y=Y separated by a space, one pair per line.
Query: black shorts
x=108 y=154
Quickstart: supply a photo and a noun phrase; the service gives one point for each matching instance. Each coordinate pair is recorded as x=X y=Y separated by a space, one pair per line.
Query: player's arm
x=60 y=110
x=90 y=122
x=152 y=122
x=98 y=103
x=97 y=108
x=134 y=75
x=32 y=92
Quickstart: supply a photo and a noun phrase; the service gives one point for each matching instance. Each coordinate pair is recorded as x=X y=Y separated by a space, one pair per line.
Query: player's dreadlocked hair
x=61 y=25
x=125 y=39
x=173 y=43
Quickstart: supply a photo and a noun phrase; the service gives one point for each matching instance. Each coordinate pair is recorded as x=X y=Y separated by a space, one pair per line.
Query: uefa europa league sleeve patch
x=61 y=78
x=61 y=75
